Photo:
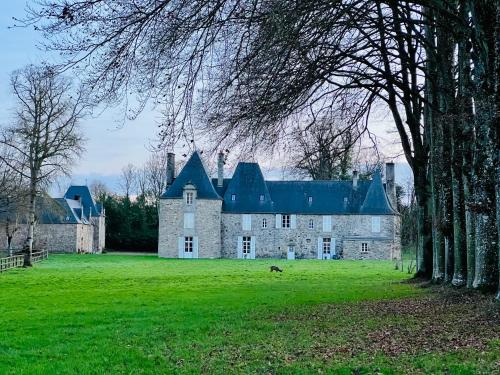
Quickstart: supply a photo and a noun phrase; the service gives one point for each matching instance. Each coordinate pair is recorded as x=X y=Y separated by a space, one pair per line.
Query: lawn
x=110 y=314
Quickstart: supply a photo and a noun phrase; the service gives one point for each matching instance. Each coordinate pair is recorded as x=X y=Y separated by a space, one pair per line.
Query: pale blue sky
x=110 y=147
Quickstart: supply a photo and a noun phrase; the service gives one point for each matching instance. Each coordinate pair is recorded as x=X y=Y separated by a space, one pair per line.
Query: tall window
x=189 y=198
x=285 y=221
x=327 y=245
x=364 y=247
x=188 y=220
x=264 y=223
x=188 y=244
x=311 y=224
x=247 y=241
x=375 y=224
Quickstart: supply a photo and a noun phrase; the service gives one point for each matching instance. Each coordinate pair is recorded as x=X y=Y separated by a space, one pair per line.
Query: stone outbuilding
x=249 y=217
x=74 y=223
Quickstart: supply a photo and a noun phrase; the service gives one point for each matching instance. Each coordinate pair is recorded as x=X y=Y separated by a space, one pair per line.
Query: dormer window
x=310 y=200
x=261 y=198
x=189 y=198
x=233 y=197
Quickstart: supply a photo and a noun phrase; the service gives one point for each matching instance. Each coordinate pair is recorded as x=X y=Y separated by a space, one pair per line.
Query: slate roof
x=253 y=194
x=87 y=201
x=195 y=173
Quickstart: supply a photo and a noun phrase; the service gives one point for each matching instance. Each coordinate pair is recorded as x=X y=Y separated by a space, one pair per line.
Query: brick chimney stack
x=220 y=169
x=170 y=168
x=390 y=184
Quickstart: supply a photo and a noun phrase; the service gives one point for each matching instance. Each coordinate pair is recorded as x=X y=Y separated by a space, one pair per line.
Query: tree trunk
x=424 y=236
x=483 y=20
x=28 y=249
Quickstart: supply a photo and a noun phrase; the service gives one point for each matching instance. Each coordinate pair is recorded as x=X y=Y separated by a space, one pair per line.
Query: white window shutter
x=188 y=220
x=327 y=223
x=278 y=220
x=246 y=221
x=195 y=247
x=293 y=221
x=252 y=248
x=375 y=224
x=320 y=248
x=333 y=250
x=181 y=247
x=240 y=247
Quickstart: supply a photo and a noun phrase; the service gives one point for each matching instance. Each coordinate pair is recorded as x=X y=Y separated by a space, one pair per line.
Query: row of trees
x=132 y=214
x=247 y=69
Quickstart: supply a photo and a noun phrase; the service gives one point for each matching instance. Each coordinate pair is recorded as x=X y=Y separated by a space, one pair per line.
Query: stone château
x=249 y=217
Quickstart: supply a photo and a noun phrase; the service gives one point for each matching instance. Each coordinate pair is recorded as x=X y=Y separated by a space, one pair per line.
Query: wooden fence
x=18 y=260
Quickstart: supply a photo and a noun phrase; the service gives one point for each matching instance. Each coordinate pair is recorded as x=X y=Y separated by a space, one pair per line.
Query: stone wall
x=57 y=238
x=207 y=226
x=99 y=240
x=272 y=242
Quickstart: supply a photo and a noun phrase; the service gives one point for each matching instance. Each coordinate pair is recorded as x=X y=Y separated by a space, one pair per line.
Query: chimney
x=390 y=184
x=170 y=168
x=220 y=169
x=354 y=180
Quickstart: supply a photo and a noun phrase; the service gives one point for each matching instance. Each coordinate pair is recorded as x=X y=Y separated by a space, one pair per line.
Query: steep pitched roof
x=88 y=202
x=327 y=197
x=295 y=197
x=376 y=201
x=249 y=189
x=194 y=173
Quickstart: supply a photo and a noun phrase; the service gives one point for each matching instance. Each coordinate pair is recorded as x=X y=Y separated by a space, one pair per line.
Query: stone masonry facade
x=204 y=218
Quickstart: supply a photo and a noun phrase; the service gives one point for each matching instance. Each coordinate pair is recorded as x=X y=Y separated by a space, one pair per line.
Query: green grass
x=114 y=314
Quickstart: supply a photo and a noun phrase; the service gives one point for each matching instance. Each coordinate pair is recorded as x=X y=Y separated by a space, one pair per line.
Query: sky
x=111 y=144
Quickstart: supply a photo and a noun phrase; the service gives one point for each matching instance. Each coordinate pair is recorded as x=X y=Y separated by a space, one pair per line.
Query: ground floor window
x=364 y=247
x=327 y=245
x=188 y=244
x=247 y=241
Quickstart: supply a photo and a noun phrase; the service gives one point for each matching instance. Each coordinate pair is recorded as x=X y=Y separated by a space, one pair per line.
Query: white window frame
x=286 y=221
x=311 y=224
x=188 y=244
x=247 y=246
x=233 y=197
x=364 y=247
x=376 y=221
x=189 y=198
x=188 y=220
x=327 y=245
x=264 y=223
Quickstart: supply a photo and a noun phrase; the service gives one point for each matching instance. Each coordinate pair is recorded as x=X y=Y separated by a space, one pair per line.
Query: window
x=261 y=197
x=364 y=247
x=264 y=223
x=310 y=200
x=327 y=223
x=233 y=197
x=311 y=224
x=375 y=224
x=285 y=221
x=247 y=241
x=327 y=245
x=188 y=244
x=189 y=198
x=188 y=220
x=247 y=222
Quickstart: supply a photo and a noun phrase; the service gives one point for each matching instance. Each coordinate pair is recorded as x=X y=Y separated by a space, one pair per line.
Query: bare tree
x=128 y=179
x=99 y=190
x=44 y=140
x=156 y=168
x=323 y=150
